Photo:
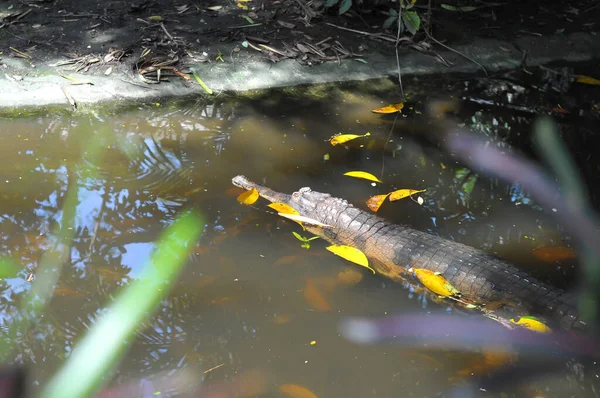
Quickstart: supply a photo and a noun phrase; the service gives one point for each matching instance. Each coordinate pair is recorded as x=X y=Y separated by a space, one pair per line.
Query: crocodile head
x=305 y=200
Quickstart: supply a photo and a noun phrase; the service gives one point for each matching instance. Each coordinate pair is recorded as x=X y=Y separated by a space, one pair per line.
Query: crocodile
x=394 y=250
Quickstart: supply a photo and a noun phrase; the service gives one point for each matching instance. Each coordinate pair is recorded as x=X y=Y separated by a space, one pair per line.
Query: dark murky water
x=243 y=299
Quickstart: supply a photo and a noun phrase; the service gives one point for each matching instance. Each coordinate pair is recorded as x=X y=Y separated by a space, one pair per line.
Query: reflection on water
x=251 y=296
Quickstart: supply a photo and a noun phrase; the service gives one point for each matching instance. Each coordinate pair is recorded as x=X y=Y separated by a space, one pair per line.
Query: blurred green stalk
x=97 y=354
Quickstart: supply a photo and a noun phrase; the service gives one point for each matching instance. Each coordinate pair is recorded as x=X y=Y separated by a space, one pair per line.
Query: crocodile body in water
x=392 y=249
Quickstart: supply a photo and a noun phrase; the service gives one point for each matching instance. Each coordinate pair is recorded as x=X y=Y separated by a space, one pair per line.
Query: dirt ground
x=95 y=33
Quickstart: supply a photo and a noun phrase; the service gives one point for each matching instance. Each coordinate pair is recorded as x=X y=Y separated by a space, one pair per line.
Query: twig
x=310 y=13
x=136 y=84
x=213 y=368
x=385 y=145
x=167 y=32
x=360 y=32
x=455 y=51
x=398 y=56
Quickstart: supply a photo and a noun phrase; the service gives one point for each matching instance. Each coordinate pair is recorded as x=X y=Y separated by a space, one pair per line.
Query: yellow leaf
x=248 y=197
x=155 y=18
x=242 y=6
x=351 y=254
x=283 y=208
x=375 y=202
x=342 y=138
x=435 y=282
x=389 y=109
x=403 y=193
x=586 y=79
x=362 y=174
x=296 y=391
x=531 y=323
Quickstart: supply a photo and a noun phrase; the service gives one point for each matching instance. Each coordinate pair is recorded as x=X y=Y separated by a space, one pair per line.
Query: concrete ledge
x=43 y=86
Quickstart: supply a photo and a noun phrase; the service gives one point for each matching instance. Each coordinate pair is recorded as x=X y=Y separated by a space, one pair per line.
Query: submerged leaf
x=351 y=254
x=375 y=202
x=248 y=197
x=532 y=323
x=403 y=193
x=314 y=298
x=343 y=138
x=586 y=79
x=362 y=174
x=435 y=282
x=349 y=276
x=393 y=108
x=296 y=391
x=552 y=254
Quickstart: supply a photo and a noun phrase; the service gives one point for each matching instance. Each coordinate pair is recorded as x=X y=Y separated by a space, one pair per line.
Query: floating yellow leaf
x=351 y=254
x=403 y=193
x=532 y=323
x=349 y=276
x=586 y=79
x=342 y=138
x=283 y=208
x=375 y=202
x=248 y=197
x=362 y=174
x=314 y=298
x=435 y=282
x=296 y=391
x=389 y=109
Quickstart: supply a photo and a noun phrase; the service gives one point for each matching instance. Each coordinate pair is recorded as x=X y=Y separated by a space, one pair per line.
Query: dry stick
x=398 y=57
x=384 y=145
x=360 y=32
x=455 y=51
x=310 y=13
x=167 y=32
x=213 y=368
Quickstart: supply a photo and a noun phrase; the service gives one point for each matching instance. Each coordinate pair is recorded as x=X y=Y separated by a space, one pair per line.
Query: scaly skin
x=393 y=249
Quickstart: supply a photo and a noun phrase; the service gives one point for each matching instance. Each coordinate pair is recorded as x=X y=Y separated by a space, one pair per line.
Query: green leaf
x=331 y=3
x=411 y=21
x=388 y=22
x=461 y=9
x=299 y=237
x=361 y=60
x=345 y=6
x=202 y=84
x=469 y=184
